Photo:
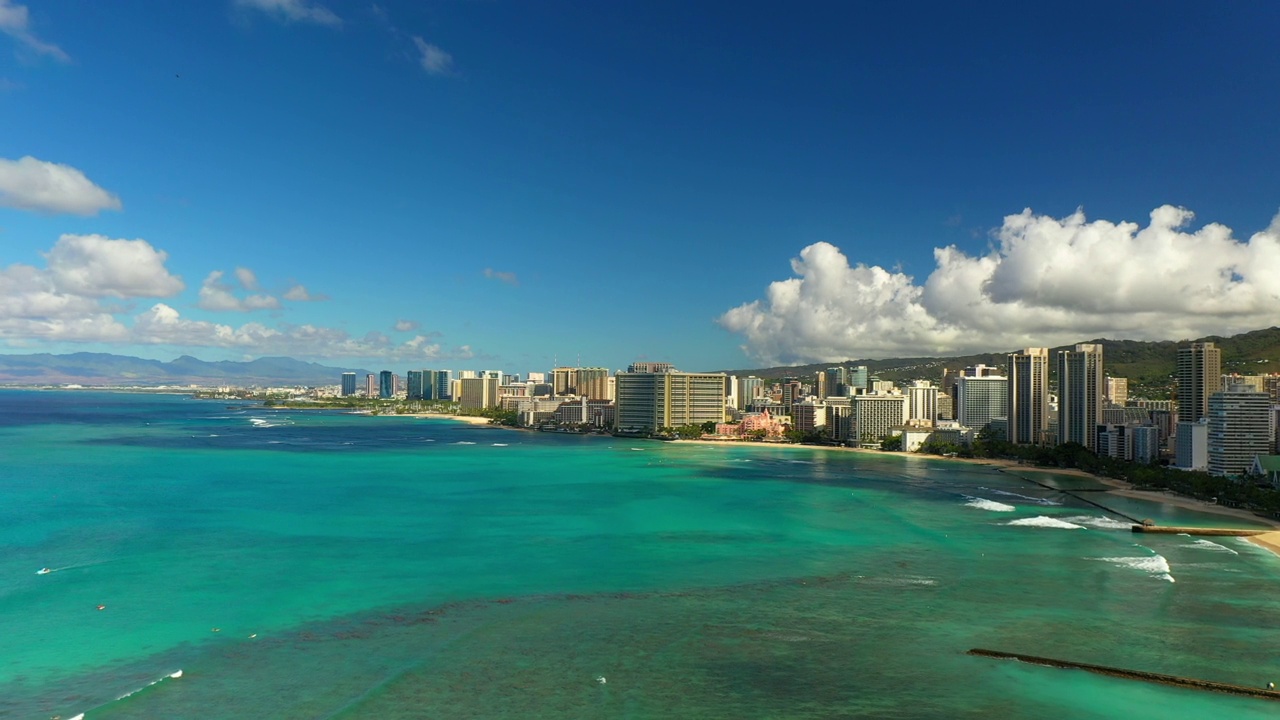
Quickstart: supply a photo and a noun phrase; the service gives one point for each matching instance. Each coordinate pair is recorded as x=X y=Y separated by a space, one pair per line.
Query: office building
x=1240 y=428
x=1080 y=392
x=858 y=379
x=1028 y=401
x=1199 y=374
x=348 y=384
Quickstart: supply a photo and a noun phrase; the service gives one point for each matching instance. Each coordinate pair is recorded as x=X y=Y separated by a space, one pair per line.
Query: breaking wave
x=1100 y=521
x=1211 y=545
x=1045 y=522
x=985 y=504
x=1153 y=565
x=1036 y=500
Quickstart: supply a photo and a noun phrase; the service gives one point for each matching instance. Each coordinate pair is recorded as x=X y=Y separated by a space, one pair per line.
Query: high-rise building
x=479 y=393
x=858 y=378
x=809 y=416
x=371 y=385
x=749 y=388
x=790 y=393
x=1199 y=376
x=876 y=416
x=1240 y=428
x=1191 y=443
x=1080 y=390
x=981 y=399
x=835 y=382
x=348 y=384
x=1028 y=410
x=652 y=400
x=1117 y=391
x=386 y=384
x=922 y=403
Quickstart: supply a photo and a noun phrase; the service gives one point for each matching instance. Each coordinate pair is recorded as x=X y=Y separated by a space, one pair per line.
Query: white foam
x=1045 y=522
x=1211 y=545
x=260 y=423
x=985 y=504
x=637 y=448
x=1036 y=500
x=1153 y=565
x=1100 y=521
x=464 y=442
x=500 y=444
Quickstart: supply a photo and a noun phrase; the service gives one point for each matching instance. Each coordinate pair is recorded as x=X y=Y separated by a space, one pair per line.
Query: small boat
x=43 y=571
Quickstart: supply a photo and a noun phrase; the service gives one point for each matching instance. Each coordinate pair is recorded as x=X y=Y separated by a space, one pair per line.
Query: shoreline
x=1269 y=541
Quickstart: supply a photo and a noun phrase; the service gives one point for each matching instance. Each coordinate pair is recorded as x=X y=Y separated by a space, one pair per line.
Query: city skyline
x=409 y=187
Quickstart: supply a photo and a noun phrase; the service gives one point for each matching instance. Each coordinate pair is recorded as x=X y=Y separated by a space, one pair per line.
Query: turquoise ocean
x=316 y=564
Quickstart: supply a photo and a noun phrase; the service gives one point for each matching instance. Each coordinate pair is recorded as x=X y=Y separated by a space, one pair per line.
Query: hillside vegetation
x=1148 y=365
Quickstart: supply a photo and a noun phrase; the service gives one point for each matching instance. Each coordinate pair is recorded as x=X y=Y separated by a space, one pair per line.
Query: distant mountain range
x=122 y=370
x=1148 y=364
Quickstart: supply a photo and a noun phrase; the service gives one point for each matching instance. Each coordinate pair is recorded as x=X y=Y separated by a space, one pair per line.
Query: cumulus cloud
x=76 y=298
x=299 y=293
x=506 y=277
x=433 y=59
x=219 y=296
x=405 y=325
x=248 y=280
x=15 y=22
x=294 y=11
x=98 y=266
x=1045 y=281
x=31 y=184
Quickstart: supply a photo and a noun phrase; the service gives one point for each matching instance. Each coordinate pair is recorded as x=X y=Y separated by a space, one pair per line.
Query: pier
x=1212 y=532
x=1175 y=680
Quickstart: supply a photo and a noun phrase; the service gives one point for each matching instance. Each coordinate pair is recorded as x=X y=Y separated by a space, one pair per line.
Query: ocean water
x=315 y=564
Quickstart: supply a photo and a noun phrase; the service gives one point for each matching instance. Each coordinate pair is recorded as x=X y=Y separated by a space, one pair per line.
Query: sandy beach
x=1270 y=541
x=468 y=419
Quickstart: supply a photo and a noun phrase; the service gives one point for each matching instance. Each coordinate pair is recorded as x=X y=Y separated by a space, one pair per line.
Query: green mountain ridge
x=1149 y=365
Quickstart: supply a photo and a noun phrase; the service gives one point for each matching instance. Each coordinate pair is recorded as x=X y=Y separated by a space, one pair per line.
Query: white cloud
x=1046 y=282
x=247 y=279
x=294 y=11
x=31 y=184
x=506 y=277
x=433 y=59
x=299 y=293
x=405 y=325
x=15 y=22
x=98 y=266
x=219 y=296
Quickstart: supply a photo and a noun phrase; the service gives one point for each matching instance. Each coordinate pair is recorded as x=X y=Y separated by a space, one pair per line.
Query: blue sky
x=490 y=184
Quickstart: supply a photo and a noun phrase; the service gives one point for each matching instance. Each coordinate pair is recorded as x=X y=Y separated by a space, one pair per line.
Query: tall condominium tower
x=1080 y=390
x=749 y=388
x=922 y=403
x=1241 y=427
x=386 y=384
x=1028 y=395
x=1199 y=376
x=348 y=383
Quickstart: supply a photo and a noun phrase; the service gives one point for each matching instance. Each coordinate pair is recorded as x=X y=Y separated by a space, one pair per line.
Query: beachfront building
x=427 y=385
x=1240 y=428
x=479 y=393
x=839 y=418
x=348 y=384
x=386 y=384
x=1199 y=374
x=1080 y=390
x=981 y=398
x=922 y=403
x=877 y=416
x=1144 y=443
x=1028 y=401
x=647 y=401
x=1191 y=445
